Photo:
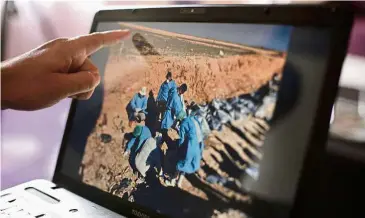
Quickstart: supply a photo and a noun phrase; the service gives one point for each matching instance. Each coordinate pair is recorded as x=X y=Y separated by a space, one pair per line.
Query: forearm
x=133 y=104
x=130 y=144
x=181 y=137
x=144 y=109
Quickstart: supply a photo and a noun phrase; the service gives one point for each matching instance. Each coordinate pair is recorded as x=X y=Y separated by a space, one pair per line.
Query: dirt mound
x=207 y=78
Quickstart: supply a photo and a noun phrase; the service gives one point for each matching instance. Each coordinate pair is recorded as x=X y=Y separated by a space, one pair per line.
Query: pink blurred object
x=30 y=140
x=41 y=21
x=357 y=40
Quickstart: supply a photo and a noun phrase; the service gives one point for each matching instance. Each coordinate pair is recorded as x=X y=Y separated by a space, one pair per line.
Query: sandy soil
x=210 y=71
x=207 y=78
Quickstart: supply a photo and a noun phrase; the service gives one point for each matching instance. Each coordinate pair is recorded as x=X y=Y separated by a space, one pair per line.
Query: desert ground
x=213 y=70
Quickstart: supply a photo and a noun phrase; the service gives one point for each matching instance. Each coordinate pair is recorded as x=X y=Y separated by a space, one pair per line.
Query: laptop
x=205 y=111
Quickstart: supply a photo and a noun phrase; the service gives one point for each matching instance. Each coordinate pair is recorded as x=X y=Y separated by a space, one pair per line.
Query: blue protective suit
x=190 y=145
x=165 y=87
x=138 y=101
x=173 y=107
x=140 y=140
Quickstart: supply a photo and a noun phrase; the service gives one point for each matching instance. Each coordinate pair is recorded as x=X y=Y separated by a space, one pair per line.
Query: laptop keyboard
x=38 y=199
x=12 y=206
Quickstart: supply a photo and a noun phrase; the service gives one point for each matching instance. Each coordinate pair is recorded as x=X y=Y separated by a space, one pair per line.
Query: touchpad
x=45 y=197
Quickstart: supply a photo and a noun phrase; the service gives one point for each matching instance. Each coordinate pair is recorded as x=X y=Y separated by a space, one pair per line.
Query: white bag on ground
x=149 y=156
x=204 y=127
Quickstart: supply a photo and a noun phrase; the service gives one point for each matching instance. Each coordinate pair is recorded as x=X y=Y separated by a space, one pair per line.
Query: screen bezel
x=338 y=19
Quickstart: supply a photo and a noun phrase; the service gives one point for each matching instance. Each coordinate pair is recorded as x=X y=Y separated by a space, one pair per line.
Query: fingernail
x=124 y=34
x=124 y=31
x=127 y=32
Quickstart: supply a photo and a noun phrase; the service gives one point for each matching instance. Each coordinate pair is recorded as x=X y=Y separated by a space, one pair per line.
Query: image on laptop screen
x=184 y=109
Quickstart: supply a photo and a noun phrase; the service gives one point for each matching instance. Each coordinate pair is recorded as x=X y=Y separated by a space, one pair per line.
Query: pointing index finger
x=93 y=42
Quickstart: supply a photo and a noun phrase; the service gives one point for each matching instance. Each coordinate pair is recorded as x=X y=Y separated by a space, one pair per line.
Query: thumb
x=76 y=83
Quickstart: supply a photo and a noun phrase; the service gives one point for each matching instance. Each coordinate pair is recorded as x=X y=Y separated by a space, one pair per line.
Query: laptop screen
x=186 y=120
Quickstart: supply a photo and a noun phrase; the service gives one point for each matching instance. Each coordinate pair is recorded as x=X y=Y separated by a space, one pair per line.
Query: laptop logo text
x=139 y=214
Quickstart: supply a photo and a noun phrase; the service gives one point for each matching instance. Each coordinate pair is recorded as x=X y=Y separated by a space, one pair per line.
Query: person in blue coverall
x=165 y=87
x=140 y=135
x=173 y=107
x=136 y=108
x=190 y=145
x=163 y=93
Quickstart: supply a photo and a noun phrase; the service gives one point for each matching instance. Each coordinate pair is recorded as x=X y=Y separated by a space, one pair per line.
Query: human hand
x=56 y=70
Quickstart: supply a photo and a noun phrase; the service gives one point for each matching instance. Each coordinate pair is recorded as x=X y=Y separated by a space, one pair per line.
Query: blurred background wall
x=30 y=141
